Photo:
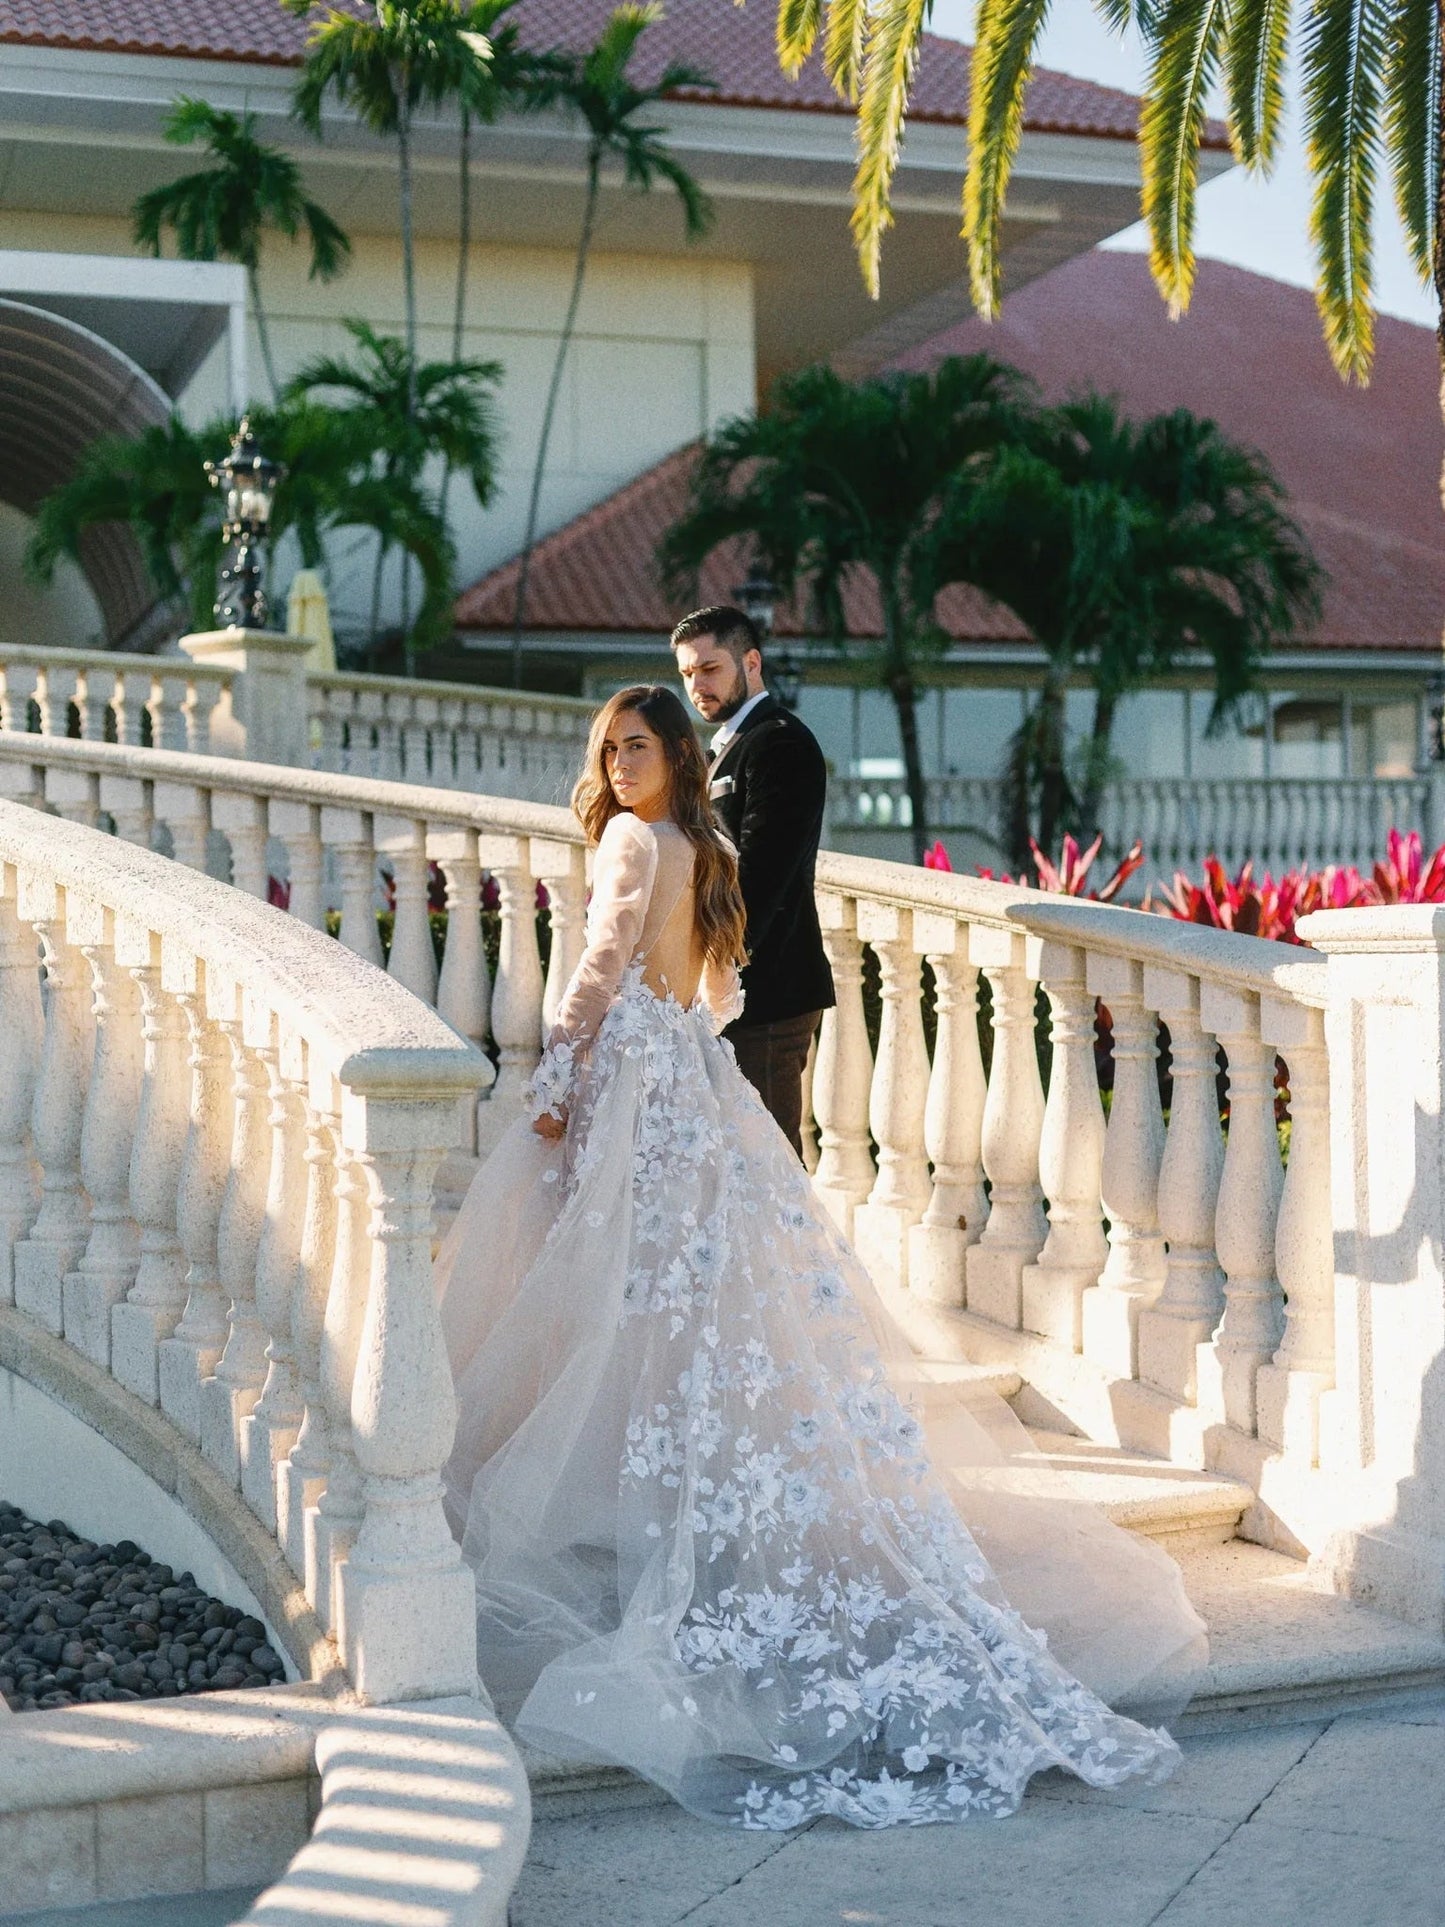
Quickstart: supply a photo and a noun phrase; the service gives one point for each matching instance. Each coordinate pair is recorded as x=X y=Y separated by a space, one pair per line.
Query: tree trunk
x=408 y=280
x=1099 y=739
x=464 y=249
x=904 y=691
x=1054 y=796
x=263 y=332
x=589 y=215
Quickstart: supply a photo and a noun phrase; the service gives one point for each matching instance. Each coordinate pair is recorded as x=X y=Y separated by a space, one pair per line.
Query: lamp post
x=247 y=480
x=758 y=600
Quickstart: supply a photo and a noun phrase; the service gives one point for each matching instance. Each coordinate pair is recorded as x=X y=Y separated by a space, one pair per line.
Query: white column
x=409 y=1612
x=108 y=1267
x=952 y=1118
x=18 y=683
x=298 y=825
x=329 y=707
x=1244 y=1220
x=127 y=802
x=1133 y=1151
x=184 y=810
x=131 y=703
x=231 y=1391
x=1189 y=1308
x=22 y=1026
x=843 y=1072
x=331 y=1527
x=242 y=820
x=1071 y=1155
x=190 y=1353
x=302 y=1478
x=1013 y=1120
x=170 y=712
x=200 y=699
x=562 y=868
x=55 y=690
x=97 y=687
x=412 y=961
x=157 y=1298
x=517 y=991
x=62 y=1226
x=268 y=1431
x=347 y=834
x=464 y=988
x=1288 y=1390
x=901 y=1190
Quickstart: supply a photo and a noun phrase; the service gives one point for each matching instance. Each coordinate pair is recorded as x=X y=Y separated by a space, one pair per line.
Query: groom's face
x=716 y=682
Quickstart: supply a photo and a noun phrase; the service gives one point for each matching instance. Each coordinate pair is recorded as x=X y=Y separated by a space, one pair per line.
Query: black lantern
x=758 y=600
x=247 y=480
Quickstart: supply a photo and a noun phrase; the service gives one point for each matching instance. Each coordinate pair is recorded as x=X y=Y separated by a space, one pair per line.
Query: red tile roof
x=1362 y=466
x=734 y=44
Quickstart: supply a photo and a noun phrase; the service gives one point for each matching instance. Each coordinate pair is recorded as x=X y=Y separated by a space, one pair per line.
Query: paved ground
x=1336 y=1823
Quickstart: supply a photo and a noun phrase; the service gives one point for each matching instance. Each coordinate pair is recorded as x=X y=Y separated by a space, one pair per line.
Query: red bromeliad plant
x=1271 y=908
x=1067 y=877
x=1404 y=876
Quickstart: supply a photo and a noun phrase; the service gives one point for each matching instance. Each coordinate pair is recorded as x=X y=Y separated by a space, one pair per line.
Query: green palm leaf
x=1412 y=123
x=797 y=32
x=845 y=44
x=888 y=72
x=1184 y=68
x=1006 y=34
x=1345 y=50
x=1258 y=41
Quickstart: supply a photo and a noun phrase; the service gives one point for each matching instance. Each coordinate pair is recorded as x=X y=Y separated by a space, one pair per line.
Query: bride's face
x=635 y=764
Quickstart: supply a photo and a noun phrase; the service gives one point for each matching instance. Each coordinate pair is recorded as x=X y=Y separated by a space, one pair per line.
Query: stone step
x=1174 y=1504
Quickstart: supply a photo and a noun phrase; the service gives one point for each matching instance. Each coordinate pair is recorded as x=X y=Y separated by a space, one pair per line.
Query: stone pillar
x=302 y=1478
x=901 y=1190
x=563 y=870
x=1013 y=1120
x=952 y=1118
x=269 y=698
x=517 y=992
x=843 y=1073
x=22 y=1027
x=347 y=834
x=331 y=1527
x=412 y=960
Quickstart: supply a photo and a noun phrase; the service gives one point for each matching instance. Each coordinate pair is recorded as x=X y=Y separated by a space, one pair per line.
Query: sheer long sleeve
x=721 y=995
x=622 y=881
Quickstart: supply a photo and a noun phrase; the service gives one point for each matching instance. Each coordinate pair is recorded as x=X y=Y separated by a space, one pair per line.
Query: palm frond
x=797 y=32
x=845 y=41
x=1412 y=124
x=608 y=60
x=892 y=57
x=1184 y=68
x=1005 y=36
x=1258 y=42
x=330 y=243
x=645 y=160
x=1345 y=51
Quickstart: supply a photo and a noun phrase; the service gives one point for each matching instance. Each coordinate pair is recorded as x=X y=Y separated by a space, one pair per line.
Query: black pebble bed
x=82 y=1622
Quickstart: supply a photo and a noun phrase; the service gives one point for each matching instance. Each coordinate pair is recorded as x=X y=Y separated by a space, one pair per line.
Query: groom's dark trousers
x=768 y=788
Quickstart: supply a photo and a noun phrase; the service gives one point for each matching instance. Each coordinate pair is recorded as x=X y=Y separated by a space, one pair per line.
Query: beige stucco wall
x=663 y=351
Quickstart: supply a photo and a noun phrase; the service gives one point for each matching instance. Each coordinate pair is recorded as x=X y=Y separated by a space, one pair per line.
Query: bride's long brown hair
x=718 y=899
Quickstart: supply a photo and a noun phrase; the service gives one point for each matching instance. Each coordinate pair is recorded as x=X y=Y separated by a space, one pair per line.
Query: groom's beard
x=725 y=711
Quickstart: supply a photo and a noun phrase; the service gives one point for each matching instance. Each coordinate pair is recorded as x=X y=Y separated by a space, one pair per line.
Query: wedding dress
x=710 y=1540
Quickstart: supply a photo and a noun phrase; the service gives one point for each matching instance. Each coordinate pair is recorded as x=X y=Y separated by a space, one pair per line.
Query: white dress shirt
x=734 y=723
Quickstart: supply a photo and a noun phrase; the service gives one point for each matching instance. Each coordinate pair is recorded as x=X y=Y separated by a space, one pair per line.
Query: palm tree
x=1124 y=546
x=1371 y=94
x=222 y=212
x=409 y=413
x=836 y=478
x=596 y=86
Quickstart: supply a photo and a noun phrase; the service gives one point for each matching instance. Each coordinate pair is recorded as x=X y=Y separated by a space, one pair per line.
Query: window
x=1384 y=738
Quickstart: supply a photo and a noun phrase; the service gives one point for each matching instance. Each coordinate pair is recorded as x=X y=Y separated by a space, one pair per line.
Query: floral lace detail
x=830 y=1571
x=550 y=1089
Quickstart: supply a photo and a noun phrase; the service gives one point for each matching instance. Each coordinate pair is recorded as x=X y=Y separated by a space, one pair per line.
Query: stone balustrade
x=1277 y=823
x=218 y=1137
x=1027 y=1188
x=103 y=696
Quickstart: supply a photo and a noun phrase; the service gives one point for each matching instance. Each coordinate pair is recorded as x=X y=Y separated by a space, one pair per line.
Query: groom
x=768 y=785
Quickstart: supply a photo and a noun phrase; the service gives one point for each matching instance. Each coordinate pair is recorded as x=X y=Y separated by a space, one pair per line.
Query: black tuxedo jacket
x=768 y=788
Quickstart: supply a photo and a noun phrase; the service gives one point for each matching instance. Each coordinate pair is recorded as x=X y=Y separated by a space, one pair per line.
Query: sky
x=1258 y=224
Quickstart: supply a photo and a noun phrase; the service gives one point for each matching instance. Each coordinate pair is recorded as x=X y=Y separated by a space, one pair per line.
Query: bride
x=716 y=1541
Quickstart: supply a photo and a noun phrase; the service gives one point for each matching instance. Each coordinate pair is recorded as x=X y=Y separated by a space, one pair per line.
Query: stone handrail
x=218 y=1134
x=106 y=694
x=1278 y=823
x=1156 y=1278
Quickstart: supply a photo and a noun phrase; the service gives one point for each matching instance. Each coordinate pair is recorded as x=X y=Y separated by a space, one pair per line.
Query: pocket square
x=722 y=787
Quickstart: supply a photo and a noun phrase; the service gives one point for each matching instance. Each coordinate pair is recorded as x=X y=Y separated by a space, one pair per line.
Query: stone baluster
x=896 y=1101
x=172 y=685
x=365 y=756
x=302 y=1478
x=298 y=825
x=1244 y=1221
x=108 y=1266
x=93 y=699
x=952 y=1118
x=327 y=711
x=331 y=1528
x=1288 y=1391
x=562 y=867
x=1013 y=1119
x=126 y=800
x=1189 y=1307
x=22 y=1025
x=412 y=960
x=56 y=689
x=389 y=766
x=517 y=991
x=232 y=1389
x=62 y=1226
x=242 y=821
x=1133 y=1150
x=408 y=1618
x=843 y=1073
x=447 y=753
x=189 y=1354
x=348 y=835
x=185 y=812
x=73 y=794
x=1071 y=1156
x=464 y=989
x=131 y=703
x=197 y=705
x=157 y=1297
x=269 y=1430
x=18 y=682
x=416 y=744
